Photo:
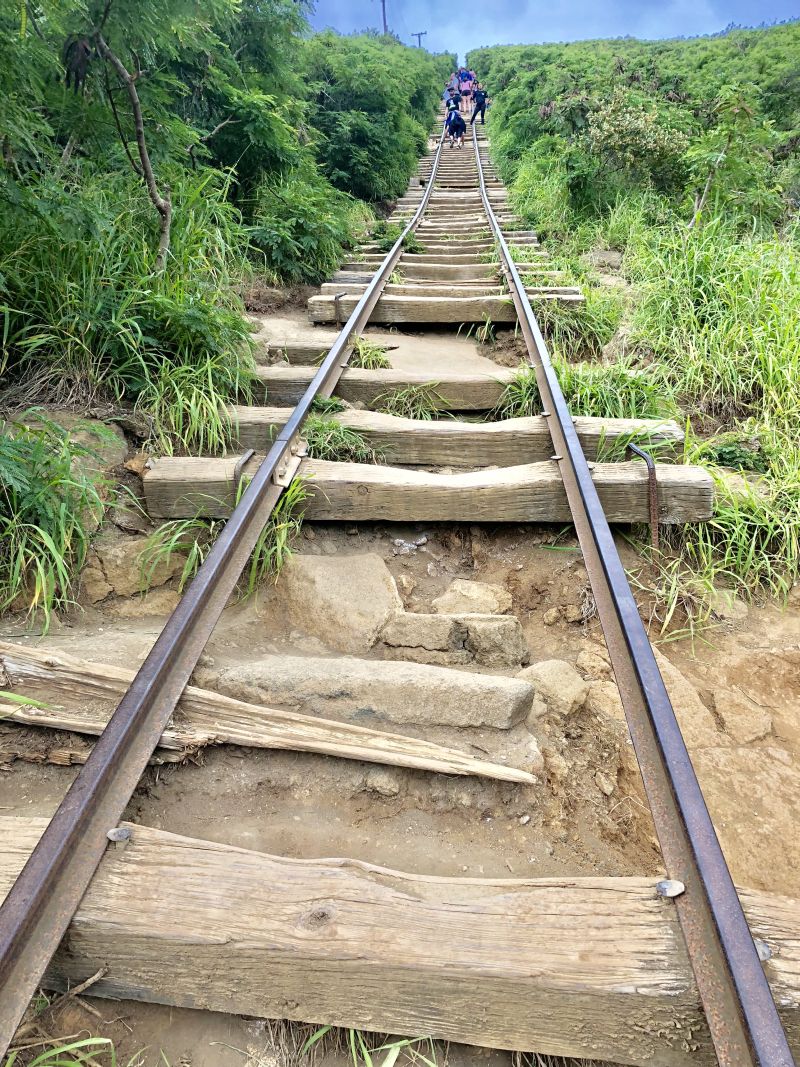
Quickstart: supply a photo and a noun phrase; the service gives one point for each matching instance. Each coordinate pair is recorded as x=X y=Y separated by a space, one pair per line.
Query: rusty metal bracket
x=337 y=307
x=241 y=462
x=652 y=490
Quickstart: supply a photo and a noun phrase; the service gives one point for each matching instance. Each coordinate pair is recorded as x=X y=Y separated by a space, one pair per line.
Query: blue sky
x=453 y=26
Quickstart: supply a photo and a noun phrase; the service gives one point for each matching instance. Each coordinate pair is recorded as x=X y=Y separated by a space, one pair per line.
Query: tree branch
x=118 y=124
x=162 y=204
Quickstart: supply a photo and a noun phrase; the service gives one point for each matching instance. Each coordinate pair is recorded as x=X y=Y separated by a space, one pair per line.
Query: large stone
x=115 y=566
x=364 y=690
x=344 y=601
x=488 y=640
x=474 y=598
x=496 y=641
x=441 y=633
x=558 y=684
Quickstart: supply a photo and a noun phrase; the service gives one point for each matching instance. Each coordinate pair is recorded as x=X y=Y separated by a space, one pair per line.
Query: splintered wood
x=207 y=718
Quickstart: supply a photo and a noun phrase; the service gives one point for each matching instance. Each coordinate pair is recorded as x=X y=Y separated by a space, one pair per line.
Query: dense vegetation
x=155 y=160
x=684 y=156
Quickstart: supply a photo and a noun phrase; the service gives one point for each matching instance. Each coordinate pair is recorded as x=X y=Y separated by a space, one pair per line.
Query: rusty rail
x=742 y=1017
x=38 y=909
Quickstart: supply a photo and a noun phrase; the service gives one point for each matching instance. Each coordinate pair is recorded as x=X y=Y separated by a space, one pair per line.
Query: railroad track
x=460 y=214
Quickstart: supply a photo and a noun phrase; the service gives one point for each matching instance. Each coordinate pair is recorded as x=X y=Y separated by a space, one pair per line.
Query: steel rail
x=743 y=1020
x=37 y=911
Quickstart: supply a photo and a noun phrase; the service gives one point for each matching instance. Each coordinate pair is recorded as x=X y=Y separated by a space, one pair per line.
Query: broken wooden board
x=564 y=966
x=448 y=391
x=361 y=492
x=433 y=309
x=206 y=718
x=451 y=443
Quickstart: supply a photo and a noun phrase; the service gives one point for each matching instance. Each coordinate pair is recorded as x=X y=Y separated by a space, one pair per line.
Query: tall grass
x=49 y=506
x=714 y=333
x=192 y=539
x=601 y=390
x=722 y=313
x=86 y=320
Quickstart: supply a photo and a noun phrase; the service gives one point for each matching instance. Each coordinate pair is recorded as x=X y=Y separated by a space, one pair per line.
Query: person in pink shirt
x=465 y=85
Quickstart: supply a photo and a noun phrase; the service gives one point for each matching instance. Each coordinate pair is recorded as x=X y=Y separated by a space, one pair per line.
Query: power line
x=419 y=37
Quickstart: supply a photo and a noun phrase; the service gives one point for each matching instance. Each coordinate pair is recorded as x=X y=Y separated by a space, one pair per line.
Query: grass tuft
x=327 y=439
x=414 y=402
x=49 y=505
x=367 y=355
x=193 y=539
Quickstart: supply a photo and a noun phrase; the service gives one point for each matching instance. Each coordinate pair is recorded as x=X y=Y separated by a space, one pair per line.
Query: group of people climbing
x=463 y=89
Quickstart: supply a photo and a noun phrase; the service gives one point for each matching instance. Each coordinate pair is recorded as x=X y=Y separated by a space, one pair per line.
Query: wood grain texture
x=433 y=309
x=451 y=443
x=532 y=492
x=207 y=718
x=448 y=289
x=352 y=492
x=449 y=391
x=573 y=967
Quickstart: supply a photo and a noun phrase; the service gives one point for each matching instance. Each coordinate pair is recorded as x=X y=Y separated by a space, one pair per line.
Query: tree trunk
x=162 y=204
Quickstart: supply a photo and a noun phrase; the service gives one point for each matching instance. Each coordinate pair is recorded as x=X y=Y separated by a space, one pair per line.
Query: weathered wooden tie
x=353 y=492
x=432 y=309
x=451 y=443
x=566 y=966
x=447 y=392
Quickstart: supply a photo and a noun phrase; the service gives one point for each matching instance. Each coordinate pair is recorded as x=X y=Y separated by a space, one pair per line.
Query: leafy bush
x=302 y=225
x=371 y=123
x=49 y=505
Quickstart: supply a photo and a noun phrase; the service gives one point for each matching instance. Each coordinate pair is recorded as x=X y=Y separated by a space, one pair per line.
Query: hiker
x=456 y=128
x=453 y=98
x=465 y=85
x=479 y=98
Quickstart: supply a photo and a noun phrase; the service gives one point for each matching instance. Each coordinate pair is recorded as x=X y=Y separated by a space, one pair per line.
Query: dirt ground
x=585 y=814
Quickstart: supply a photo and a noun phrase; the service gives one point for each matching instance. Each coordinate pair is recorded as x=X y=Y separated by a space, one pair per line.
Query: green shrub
x=49 y=506
x=302 y=225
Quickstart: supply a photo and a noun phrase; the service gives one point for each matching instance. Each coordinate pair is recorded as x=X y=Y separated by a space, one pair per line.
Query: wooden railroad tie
x=568 y=966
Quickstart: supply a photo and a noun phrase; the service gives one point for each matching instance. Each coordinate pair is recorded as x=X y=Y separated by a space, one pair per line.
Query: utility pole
x=419 y=37
x=385 y=23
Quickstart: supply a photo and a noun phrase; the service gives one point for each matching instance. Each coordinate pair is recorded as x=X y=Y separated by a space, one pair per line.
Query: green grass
x=602 y=390
x=413 y=402
x=327 y=405
x=327 y=439
x=86 y=1052
x=193 y=539
x=386 y=234
x=368 y=356
x=50 y=502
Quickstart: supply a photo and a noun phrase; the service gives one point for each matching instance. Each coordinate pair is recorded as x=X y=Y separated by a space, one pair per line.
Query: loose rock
x=558 y=684
x=343 y=601
x=479 y=598
x=382 y=782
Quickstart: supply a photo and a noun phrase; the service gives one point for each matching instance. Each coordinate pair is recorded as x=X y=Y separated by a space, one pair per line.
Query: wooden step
x=449 y=391
x=445 y=288
x=432 y=309
x=590 y=967
x=186 y=487
x=453 y=443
